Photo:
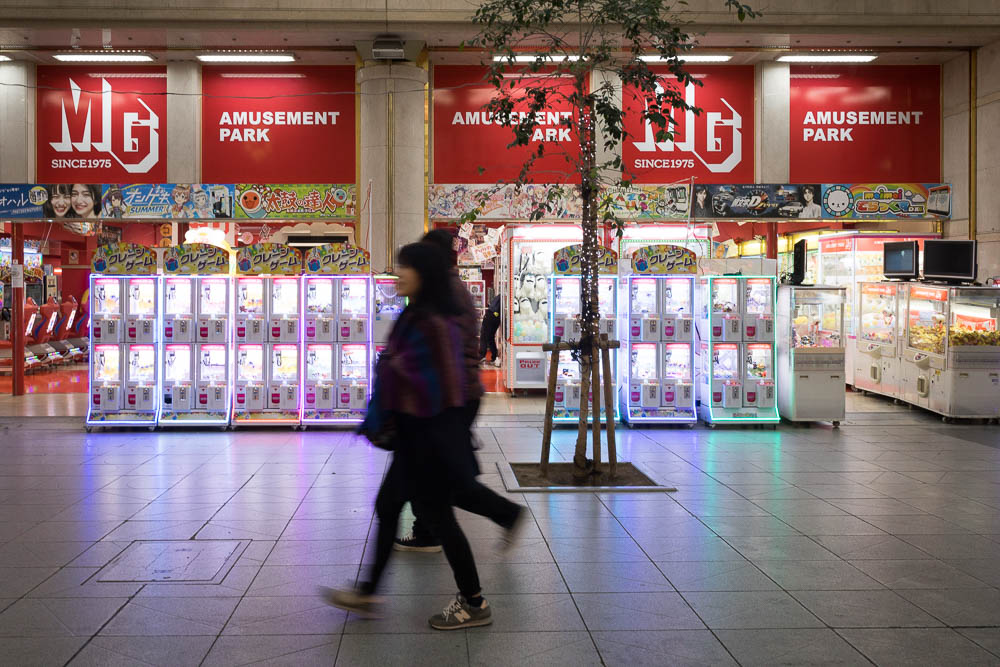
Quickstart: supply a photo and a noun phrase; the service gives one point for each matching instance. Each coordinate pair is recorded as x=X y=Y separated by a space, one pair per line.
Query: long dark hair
x=432 y=265
x=58 y=188
x=444 y=240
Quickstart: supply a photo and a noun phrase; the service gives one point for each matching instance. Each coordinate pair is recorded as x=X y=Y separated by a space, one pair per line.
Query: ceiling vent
x=387 y=47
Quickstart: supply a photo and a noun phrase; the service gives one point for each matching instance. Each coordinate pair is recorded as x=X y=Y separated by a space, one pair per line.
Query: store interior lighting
x=247 y=58
x=689 y=58
x=829 y=58
x=108 y=57
x=530 y=58
x=4 y=59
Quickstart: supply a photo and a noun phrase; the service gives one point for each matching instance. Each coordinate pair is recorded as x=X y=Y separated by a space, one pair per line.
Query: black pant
x=488 y=342
x=469 y=494
x=419 y=473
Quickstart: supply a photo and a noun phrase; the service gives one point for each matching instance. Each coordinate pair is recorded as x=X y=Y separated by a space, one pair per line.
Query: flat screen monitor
x=899 y=260
x=799 y=262
x=953 y=260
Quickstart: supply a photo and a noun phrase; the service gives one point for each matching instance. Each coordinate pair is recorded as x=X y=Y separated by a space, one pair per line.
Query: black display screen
x=899 y=259
x=955 y=260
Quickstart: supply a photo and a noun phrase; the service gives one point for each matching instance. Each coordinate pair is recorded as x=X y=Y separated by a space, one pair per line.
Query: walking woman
x=422 y=386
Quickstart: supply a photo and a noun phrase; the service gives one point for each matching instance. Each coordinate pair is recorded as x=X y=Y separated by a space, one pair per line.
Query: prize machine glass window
x=250 y=296
x=758 y=361
x=926 y=319
x=212 y=363
x=388 y=303
x=530 y=269
x=354 y=296
x=643 y=361
x=142 y=363
x=213 y=296
x=107 y=363
x=107 y=296
x=758 y=294
x=644 y=296
x=567 y=296
x=837 y=270
x=319 y=363
x=319 y=296
x=354 y=361
x=725 y=296
x=177 y=296
x=567 y=368
x=677 y=296
x=284 y=296
x=974 y=318
x=141 y=296
x=177 y=363
x=878 y=314
x=677 y=361
x=250 y=363
x=816 y=319
x=725 y=361
x=605 y=296
x=285 y=363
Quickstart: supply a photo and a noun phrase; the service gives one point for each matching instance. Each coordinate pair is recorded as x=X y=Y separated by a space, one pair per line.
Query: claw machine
x=811 y=356
x=124 y=377
x=846 y=260
x=387 y=306
x=196 y=293
x=879 y=337
x=268 y=305
x=951 y=362
x=337 y=344
x=524 y=280
x=735 y=337
x=656 y=383
x=566 y=322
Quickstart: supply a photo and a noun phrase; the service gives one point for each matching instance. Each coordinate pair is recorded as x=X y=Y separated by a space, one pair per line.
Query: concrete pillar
x=955 y=143
x=17 y=122
x=988 y=160
x=184 y=122
x=392 y=97
x=772 y=121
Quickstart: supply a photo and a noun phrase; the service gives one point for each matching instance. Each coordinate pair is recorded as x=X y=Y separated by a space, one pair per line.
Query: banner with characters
x=196 y=258
x=754 y=200
x=268 y=258
x=22 y=200
x=177 y=201
x=648 y=202
x=566 y=261
x=258 y=200
x=881 y=201
x=124 y=259
x=338 y=259
x=664 y=259
x=506 y=202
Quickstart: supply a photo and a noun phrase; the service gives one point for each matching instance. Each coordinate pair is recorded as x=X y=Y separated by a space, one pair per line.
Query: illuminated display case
x=811 y=355
x=846 y=260
x=736 y=367
x=951 y=359
x=656 y=385
x=879 y=340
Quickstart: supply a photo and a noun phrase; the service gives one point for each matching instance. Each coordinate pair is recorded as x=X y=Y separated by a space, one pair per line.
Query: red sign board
x=101 y=124
x=716 y=146
x=467 y=138
x=865 y=124
x=278 y=124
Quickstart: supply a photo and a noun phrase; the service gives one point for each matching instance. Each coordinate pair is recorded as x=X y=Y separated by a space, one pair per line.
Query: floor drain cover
x=180 y=561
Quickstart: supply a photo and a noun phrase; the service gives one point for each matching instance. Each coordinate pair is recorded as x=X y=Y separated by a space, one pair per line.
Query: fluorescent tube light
x=830 y=58
x=533 y=58
x=4 y=58
x=689 y=58
x=247 y=58
x=109 y=57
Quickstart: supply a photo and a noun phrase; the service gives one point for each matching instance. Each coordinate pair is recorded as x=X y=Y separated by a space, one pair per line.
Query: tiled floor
x=876 y=543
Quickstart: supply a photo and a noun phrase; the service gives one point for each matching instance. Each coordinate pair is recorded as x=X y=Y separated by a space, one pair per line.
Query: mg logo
x=704 y=137
x=134 y=124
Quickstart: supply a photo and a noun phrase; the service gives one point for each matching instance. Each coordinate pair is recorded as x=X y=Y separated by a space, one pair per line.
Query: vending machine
x=337 y=345
x=196 y=293
x=879 y=339
x=811 y=354
x=565 y=321
x=951 y=362
x=124 y=375
x=735 y=336
x=657 y=354
x=268 y=305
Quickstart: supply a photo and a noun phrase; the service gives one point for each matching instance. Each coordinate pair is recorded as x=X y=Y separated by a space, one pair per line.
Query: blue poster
x=172 y=201
x=22 y=200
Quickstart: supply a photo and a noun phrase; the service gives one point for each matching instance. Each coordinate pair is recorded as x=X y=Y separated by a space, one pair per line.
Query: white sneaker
x=497 y=363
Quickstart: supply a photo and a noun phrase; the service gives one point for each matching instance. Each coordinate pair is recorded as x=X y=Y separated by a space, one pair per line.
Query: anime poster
x=174 y=201
x=881 y=201
x=262 y=200
x=648 y=202
x=124 y=259
x=505 y=202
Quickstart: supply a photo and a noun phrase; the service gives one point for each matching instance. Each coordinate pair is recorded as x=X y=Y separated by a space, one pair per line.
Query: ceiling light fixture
x=689 y=58
x=4 y=58
x=532 y=58
x=247 y=57
x=830 y=58
x=104 y=57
